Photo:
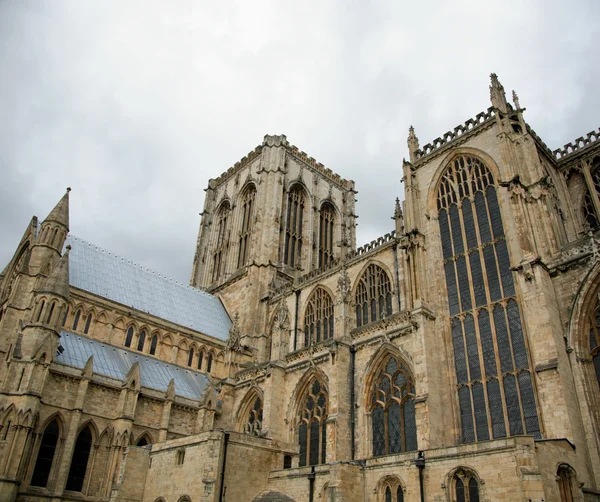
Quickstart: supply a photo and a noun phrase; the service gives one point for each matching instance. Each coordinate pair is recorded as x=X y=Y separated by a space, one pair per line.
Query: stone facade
x=454 y=359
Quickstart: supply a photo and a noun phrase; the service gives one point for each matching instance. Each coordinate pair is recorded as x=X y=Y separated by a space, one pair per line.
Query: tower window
x=326 y=227
x=293 y=233
x=219 y=255
x=247 y=218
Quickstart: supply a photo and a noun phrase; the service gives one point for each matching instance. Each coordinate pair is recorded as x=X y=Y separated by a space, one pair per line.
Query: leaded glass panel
x=312 y=416
x=512 y=405
x=373 y=294
x=496 y=409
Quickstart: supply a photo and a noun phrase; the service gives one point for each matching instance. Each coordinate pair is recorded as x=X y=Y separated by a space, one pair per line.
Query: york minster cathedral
x=455 y=358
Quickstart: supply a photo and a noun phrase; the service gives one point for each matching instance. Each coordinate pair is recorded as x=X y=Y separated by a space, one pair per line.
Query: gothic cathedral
x=456 y=358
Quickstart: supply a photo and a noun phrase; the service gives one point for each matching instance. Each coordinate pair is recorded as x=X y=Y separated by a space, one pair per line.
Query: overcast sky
x=136 y=104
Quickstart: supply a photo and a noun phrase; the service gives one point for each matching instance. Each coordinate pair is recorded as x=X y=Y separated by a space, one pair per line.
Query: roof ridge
x=143 y=268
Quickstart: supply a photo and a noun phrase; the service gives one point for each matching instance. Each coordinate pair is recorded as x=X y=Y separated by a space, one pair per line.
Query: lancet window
x=394 y=428
x=293 y=229
x=220 y=253
x=79 y=461
x=88 y=323
x=391 y=491
x=247 y=220
x=373 y=296
x=565 y=477
x=45 y=456
x=312 y=435
x=153 y=344
x=141 y=341
x=190 y=356
x=318 y=319
x=326 y=228
x=255 y=418
x=495 y=388
x=129 y=337
x=76 y=320
x=465 y=487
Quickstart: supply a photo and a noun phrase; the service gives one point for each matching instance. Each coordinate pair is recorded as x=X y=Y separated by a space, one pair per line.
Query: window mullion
x=587 y=174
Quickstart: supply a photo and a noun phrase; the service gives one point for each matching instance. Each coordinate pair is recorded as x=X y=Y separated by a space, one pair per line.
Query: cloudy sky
x=136 y=104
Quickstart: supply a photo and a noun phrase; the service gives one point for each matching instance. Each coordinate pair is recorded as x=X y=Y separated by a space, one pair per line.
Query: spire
x=57 y=282
x=60 y=213
x=399 y=217
x=516 y=100
x=413 y=143
x=497 y=95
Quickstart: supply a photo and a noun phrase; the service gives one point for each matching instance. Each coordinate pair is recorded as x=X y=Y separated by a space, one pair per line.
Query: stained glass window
x=393 y=418
x=326 y=226
x=318 y=318
x=247 y=220
x=496 y=393
x=312 y=432
x=293 y=230
x=219 y=255
x=373 y=296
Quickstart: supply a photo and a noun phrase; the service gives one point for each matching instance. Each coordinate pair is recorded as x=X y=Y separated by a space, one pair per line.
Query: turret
x=398 y=218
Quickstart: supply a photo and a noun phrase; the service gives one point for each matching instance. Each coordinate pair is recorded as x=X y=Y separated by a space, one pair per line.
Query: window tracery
x=318 y=318
x=594 y=337
x=293 y=230
x=390 y=490
x=247 y=220
x=312 y=430
x=326 y=228
x=373 y=296
x=491 y=360
x=591 y=201
x=393 y=420
x=255 y=417
x=219 y=255
x=465 y=486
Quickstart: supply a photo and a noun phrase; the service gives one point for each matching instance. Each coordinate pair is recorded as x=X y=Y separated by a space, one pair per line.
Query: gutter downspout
x=225 y=443
x=311 y=484
x=352 y=403
x=420 y=463
x=296 y=320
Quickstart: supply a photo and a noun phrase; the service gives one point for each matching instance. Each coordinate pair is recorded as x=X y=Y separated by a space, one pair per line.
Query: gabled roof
x=115 y=362
x=104 y=274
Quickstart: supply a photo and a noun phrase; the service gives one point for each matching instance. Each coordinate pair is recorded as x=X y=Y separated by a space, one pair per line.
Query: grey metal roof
x=116 y=362
x=104 y=274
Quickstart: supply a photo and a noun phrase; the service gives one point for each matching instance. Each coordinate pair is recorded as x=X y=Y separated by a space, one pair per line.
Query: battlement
x=459 y=131
x=320 y=168
x=576 y=145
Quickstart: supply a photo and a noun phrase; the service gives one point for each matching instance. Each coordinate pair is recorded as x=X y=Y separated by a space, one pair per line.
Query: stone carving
x=344 y=285
x=235 y=336
x=282 y=316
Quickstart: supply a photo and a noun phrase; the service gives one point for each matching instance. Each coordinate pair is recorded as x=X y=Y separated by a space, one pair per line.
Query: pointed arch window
x=591 y=200
x=394 y=428
x=247 y=220
x=79 y=461
x=255 y=418
x=141 y=341
x=76 y=320
x=40 y=309
x=312 y=431
x=373 y=296
x=319 y=318
x=153 y=344
x=200 y=358
x=219 y=256
x=50 y=312
x=495 y=388
x=88 y=322
x=565 y=477
x=326 y=228
x=594 y=322
x=292 y=253
x=129 y=337
x=190 y=356
x=209 y=363
x=391 y=491
x=45 y=457
x=465 y=487
x=64 y=321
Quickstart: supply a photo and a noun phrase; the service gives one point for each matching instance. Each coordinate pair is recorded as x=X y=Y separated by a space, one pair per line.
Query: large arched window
x=247 y=219
x=465 y=486
x=373 y=296
x=392 y=401
x=219 y=255
x=594 y=322
x=591 y=200
x=326 y=227
x=79 y=461
x=495 y=388
x=45 y=456
x=253 y=424
x=318 y=319
x=129 y=337
x=293 y=228
x=312 y=435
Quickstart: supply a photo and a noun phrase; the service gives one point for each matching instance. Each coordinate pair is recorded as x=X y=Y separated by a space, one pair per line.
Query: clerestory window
x=373 y=296
x=312 y=431
x=247 y=220
x=319 y=318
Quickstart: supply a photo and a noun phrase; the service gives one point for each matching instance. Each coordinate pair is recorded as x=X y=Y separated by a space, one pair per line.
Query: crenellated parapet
x=576 y=146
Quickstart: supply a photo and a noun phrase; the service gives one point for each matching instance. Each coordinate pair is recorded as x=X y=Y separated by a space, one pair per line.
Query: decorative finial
x=413 y=143
x=497 y=95
x=68 y=248
x=68 y=189
x=397 y=209
x=516 y=100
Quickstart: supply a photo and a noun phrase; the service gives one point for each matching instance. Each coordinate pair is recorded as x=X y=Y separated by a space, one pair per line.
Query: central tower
x=273 y=216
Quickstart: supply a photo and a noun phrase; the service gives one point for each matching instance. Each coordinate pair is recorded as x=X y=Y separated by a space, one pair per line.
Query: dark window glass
x=129 y=337
x=502 y=339
x=473 y=491
x=200 y=357
x=489 y=259
x=247 y=221
x=506 y=275
x=79 y=461
x=456 y=230
x=472 y=349
x=393 y=413
x=463 y=281
x=400 y=494
x=452 y=288
x=497 y=415
x=378 y=431
x=516 y=335
x=487 y=343
x=460 y=491
x=153 y=344
x=532 y=425
x=190 y=356
x=302 y=441
x=388 y=494
x=512 y=405
x=142 y=341
x=373 y=294
x=482 y=218
x=45 y=456
x=460 y=359
x=318 y=318
x=76 y=320
x=293 y=232
x=445 y=234
x=477 y=279
x=209 y=363
x=492 y=200
x=480 y=412
x=410 y=425
x=470 y=230
x=464 y=398
x=326 y=225
x=314 y=412
x=88 y=322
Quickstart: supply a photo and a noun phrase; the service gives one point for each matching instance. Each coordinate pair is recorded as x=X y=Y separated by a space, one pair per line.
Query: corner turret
x=55 y=227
